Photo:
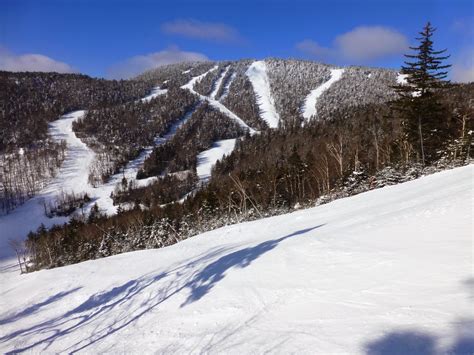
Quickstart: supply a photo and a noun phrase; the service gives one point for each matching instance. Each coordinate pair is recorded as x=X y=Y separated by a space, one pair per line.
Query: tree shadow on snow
x=413 y=342
x=28 y=311
x=206 y=279
x=135 y=298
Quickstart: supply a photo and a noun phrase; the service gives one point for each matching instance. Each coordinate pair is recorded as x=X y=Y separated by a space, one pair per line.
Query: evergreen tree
x=423 y=117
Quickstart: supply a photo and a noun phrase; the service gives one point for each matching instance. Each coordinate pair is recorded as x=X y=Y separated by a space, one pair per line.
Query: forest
x=269 y=173
x=28 y=102
x=371 y=130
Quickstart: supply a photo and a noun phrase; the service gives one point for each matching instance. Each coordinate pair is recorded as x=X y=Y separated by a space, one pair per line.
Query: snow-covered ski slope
x=218 y=83
x=73 y=177
x=309 y=107
x=384 y=272
x=257 y=74
x=208 y=158
x=215 y=103
x=155 y=92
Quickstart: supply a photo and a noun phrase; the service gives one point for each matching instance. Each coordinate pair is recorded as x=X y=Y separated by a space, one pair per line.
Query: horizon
x=121 y=39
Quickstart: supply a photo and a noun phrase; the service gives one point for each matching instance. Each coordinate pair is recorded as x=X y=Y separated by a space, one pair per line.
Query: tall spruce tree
x=423 y=117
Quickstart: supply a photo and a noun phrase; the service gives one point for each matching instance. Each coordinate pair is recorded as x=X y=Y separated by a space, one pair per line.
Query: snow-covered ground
x=208 y=158
x=384 y=272
x=71 y=177
x=309 y=107
x=257 y=74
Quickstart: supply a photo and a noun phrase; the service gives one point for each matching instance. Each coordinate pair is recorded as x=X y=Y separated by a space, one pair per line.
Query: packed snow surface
x=257 y=74
x=309 y=107
x=71 y=177
x=208 y=158
x=384 y=272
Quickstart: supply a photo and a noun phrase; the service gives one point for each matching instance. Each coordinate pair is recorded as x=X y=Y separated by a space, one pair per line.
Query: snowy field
x=384 y=272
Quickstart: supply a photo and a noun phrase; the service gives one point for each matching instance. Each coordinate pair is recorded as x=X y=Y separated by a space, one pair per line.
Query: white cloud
x=138 y=64
x=217 y=32
x=361 y=45
x=463 y=67
x=369 y=43
x=314 y=49
x=31 y=62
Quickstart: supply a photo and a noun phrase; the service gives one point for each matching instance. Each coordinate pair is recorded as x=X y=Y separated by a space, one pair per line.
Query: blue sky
x=119 y=38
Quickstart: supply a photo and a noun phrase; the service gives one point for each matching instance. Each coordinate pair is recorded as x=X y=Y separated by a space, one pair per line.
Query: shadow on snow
x=414 y=342
x=134 y=298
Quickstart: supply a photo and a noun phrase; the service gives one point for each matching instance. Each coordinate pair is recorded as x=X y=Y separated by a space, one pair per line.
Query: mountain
x=190 y=147
x=241 y=96
x=387 y=271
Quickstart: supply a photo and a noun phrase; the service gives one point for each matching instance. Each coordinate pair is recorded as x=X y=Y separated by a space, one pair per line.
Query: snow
x=214 y=103
x=218 y=83
x=208 y=158
x=156 y=91
x=225 y=92
x=257 y=74
x=198 y=78
x=309 y=107
x=72 y=177
x=402 y=79
x=388 y=271
x=103 y=192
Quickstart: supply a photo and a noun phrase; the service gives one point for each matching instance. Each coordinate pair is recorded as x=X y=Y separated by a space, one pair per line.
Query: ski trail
x=208 y=158
x=257 y=74
x=309 y=107
x=190 y=84
x=72 y=177
x=103 y=192
x=155 y=92
x=214 y=103
x=227 y=86
x=218 y=83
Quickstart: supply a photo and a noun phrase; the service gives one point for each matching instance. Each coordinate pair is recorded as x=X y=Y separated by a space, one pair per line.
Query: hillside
x=119 y=127
x=388 y=271
x=208 y=144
